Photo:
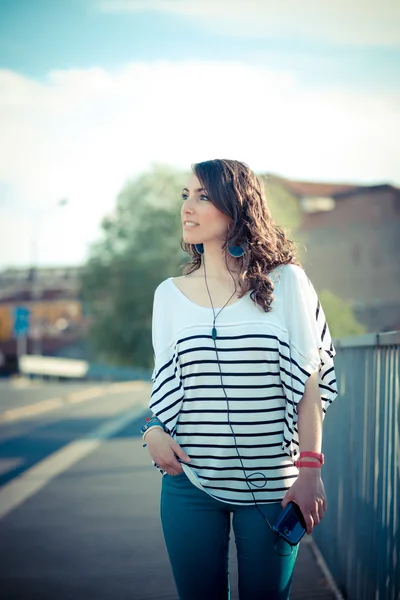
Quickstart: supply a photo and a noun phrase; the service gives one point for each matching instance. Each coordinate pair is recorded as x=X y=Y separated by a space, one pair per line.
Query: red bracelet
x=317 y=455
x=300 y=464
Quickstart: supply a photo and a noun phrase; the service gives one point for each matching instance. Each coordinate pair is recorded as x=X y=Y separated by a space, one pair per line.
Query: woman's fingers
x=165 y=452
x=170 y=464
x=309 y=522
x=174 y=473
x=179 y=451
x=173 y=468
x=170 y=467
x=314 y=516
x=321 y=508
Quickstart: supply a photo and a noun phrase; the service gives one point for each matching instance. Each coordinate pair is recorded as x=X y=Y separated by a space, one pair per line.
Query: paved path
x=93 y=531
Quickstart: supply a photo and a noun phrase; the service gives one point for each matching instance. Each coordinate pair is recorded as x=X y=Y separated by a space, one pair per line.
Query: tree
x=284 y=207
x=286 y=211
x=139 y=248
x=340 y=315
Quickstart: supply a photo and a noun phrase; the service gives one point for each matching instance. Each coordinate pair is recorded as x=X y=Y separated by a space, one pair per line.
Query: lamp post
x=35 y=290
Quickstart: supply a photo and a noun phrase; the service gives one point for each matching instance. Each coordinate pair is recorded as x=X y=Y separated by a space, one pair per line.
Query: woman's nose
x=187 y=208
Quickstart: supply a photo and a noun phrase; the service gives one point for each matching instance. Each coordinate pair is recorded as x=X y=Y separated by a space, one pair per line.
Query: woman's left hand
x=308 y=493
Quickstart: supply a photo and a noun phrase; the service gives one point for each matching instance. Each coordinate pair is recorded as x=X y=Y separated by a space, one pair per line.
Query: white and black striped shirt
x=265 y=360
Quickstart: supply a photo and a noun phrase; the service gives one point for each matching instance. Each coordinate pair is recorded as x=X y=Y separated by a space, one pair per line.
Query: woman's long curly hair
x=237 y=192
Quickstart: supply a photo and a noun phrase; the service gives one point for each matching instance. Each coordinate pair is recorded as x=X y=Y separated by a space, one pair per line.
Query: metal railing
x=360 y=533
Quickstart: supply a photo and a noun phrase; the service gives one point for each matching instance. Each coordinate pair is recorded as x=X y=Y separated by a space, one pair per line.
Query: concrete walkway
x=94 y=531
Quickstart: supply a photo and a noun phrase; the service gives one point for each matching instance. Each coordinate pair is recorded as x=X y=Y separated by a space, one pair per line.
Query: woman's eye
x=185 y=197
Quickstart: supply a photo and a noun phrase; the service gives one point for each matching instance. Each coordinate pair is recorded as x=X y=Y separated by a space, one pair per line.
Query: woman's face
x=209 y=223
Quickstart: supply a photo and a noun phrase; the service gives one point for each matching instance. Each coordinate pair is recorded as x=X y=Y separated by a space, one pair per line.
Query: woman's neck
x=216 y=268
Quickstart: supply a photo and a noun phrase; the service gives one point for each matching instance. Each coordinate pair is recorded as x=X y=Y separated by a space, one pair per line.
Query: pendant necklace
x=214 y=330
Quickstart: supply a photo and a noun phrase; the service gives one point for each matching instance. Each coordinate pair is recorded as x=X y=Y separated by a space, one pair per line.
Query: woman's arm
x=308 y=489
x=309 y=423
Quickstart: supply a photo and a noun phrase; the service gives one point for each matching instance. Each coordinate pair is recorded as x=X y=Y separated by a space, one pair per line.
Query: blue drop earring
x=235 y=251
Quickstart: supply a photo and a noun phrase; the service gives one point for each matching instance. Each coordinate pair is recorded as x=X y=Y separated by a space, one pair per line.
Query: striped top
x=265 y=360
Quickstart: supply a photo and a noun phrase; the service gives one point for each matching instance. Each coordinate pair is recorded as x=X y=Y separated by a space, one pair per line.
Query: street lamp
x=36 y=331
x=36 y=216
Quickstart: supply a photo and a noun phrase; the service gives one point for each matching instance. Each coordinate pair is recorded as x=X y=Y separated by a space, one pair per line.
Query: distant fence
x=359 y=536
x=69 y=368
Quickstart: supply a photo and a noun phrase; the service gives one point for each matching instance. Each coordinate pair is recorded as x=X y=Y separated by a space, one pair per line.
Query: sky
x=93 y=92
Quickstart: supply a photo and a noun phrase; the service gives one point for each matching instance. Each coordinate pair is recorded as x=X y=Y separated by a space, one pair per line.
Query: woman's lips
x=190 y=225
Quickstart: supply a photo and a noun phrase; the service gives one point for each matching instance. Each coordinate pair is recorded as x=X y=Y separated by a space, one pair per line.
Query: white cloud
x=83 y=133
x=341 y=22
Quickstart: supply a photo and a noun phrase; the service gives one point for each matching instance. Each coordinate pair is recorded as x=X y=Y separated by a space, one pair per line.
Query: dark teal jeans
x=197 y=529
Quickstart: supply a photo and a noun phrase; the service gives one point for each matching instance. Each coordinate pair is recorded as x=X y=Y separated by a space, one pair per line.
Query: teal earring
x=235 y=251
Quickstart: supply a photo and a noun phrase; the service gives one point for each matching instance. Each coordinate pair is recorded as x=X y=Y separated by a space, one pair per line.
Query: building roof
x=308 y=189
x=45 y=283
x=313 y=190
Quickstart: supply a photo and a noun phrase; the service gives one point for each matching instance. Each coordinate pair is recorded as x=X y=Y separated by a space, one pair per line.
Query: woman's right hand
x=164 y=450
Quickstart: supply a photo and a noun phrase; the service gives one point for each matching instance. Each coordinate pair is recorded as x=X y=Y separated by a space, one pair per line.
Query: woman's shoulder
x=163 y=287
x=288 y=274
x=179 y=283
x=171 y=292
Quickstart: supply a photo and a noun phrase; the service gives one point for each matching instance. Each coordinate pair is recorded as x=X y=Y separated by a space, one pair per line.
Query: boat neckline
x=178 y=291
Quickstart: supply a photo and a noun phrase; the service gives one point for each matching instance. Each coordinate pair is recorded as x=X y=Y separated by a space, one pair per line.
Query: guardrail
x=69 y=368
x=31 y=364
x=360 y=533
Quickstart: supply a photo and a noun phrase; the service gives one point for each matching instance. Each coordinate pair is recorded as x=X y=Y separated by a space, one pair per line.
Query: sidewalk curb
x=325 y=569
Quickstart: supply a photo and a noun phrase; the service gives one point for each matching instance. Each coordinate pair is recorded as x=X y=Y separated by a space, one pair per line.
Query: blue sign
x=21 y=321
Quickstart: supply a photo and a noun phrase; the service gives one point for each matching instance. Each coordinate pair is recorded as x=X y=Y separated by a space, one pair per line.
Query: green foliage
x=340 y=316
x=285 y=210
x=284 y=207
x=140 y=247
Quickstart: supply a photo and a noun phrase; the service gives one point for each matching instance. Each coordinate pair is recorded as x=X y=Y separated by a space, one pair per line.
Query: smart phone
x=290 y=524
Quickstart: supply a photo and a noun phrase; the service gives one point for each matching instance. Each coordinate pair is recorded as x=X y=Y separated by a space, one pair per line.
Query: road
x=79 y=499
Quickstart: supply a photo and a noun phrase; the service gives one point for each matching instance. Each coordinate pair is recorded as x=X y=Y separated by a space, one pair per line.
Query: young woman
x=243 y=376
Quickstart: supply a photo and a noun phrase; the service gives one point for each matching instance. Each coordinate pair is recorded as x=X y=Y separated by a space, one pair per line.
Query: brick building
x=353 y=246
